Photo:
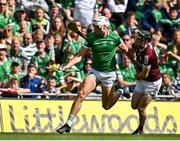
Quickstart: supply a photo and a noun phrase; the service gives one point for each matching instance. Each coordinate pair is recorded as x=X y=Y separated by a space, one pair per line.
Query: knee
x=134 y=107
x=106 y=107
x=81 y=95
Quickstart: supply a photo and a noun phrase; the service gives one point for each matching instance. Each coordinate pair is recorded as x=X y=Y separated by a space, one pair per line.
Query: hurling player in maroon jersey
x=148 y=76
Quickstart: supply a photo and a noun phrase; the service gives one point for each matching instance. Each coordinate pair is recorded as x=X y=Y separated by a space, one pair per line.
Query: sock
x=70 y=120
x=140 y=128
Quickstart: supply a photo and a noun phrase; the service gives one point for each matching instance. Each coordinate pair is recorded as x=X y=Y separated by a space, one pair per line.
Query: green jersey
x=41 y=63
x=4 y=20
x=5 y=69
x=104 y=51
x=127 y=73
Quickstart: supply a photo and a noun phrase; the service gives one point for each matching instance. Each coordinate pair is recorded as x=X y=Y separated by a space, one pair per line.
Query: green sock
x=70 y=120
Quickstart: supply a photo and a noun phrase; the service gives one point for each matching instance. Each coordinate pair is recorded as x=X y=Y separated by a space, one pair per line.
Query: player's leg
x=142 y=104
x=84 y=91
x=86 y=88
x=137 y=94
x=150 y=89
x=108 y=81
x=136 y=98
x=109 y=97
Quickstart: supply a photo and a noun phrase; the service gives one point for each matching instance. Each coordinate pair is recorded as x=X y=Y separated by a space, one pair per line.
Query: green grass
x=86 y=136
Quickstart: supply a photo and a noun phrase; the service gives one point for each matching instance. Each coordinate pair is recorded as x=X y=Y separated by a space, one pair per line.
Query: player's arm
x=131 y=55
x=144 y=72
x=122 y=48
x=77 y=58
x=146 y=66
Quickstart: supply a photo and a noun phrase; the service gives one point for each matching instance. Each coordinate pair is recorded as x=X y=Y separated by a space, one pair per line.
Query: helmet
x=145 y=36
x=141 y=39
x=101 y=20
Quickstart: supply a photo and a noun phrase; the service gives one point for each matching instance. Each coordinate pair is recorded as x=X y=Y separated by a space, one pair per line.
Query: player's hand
x=65 y=68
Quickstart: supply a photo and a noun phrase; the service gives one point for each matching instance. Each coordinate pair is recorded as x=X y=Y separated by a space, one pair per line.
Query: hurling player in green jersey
x=104 y=43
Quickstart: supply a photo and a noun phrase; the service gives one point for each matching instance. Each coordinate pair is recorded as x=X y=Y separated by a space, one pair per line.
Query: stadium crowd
x=35 y=43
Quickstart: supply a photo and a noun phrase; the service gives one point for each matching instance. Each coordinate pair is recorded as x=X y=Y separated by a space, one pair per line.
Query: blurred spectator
x=23 y=29
x=176 y=87
x=31 y=5
x=49 y=41
x=12 y=89
x=153 y=13
x=139 y=8
x=129 y=25
x=117 y=8
x=173 y=3
x=51 y=91
x=57 y=26
x=170 y=24
x=28 y=46
x=53 y=71
x=67 y=7
x=126 y=75
x=16 y=71
x=5 y=15
x=32 y=81
x=16 y=54
x=8 y=34
x=72 y=77
x=55 y=11
x=107 y=13
x=58 y=47
x=11 y=7
x=166 y=85
x=159 y=47
x=5 y=64
x=86 y=67
x=84 y=31
x=38 y=35
x=133 y=5
x=73 y=43
x=173 y=50
x=21 y=15
x=39 y=22
x=84 y=11
x=41 y=58
x=164 y=66
x=127 y=40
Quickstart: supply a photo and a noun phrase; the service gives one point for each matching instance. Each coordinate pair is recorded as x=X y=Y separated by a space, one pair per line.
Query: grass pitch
x=86 y=136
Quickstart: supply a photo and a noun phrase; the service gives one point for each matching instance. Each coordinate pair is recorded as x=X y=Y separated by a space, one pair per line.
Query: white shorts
x=147 y=87
x=106 y=79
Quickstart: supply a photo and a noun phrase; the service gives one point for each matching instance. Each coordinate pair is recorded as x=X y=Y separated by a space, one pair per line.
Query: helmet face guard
x=145 y=36
x=101 y=21
x=101 y=25
x=142 y=38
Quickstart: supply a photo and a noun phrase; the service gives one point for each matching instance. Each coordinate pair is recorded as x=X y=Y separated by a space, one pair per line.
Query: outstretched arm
x=131 y=56
x=122 y=48
x=76 y=59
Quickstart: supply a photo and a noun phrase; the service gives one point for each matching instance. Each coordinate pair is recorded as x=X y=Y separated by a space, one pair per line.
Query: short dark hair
x=32 y=65
x=15 y=63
